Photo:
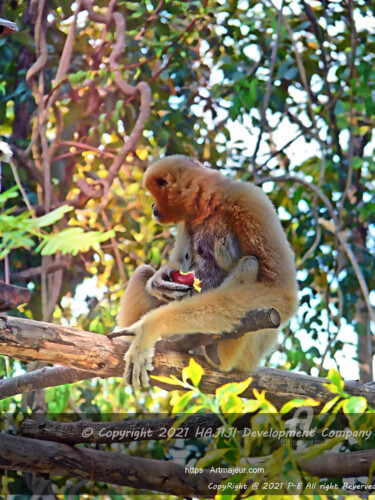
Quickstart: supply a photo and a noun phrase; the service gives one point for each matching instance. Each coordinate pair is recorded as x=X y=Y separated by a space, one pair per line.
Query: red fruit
x=183 y=278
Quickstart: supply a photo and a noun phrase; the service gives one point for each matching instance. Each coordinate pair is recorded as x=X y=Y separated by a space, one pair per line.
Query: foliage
x=17 y=231
x=266 y=435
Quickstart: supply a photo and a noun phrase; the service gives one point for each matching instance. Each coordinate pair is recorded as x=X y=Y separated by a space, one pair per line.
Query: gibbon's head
x=179 y=185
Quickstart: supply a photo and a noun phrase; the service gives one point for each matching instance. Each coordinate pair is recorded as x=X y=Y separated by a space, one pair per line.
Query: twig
x=114 y=247
x=68 y=46
x=41 y=379
x=268 y=91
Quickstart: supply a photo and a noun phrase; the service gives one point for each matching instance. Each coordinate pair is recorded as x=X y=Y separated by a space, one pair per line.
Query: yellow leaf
x=167 y=380
x=194 y=371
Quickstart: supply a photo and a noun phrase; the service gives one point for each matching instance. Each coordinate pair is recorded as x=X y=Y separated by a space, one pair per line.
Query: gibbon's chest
x=213 y=250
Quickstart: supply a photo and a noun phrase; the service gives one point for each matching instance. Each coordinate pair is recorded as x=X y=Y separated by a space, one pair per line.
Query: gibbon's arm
x=216 y=311
x=148 y=289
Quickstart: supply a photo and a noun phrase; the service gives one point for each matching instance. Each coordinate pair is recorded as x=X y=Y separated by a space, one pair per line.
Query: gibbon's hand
x=138 y=361
x=161 y=286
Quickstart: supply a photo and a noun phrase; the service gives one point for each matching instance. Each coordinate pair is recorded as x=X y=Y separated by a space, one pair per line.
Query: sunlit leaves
x=73 y=241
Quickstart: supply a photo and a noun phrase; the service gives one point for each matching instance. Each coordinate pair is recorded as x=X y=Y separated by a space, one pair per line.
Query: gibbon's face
x=174 y=183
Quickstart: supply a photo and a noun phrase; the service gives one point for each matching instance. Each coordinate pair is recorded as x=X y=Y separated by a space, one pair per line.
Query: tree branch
x=12 y=296
x=41 y=379
x=29 y=340
x=27 y=274
x=40 y=457
x=18 y=453
x=127 y=431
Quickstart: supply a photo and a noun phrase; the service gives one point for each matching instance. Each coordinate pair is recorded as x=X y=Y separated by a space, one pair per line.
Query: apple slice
x=188 y=279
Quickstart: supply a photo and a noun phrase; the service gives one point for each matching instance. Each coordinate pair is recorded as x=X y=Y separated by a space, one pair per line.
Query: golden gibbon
x=229 y=234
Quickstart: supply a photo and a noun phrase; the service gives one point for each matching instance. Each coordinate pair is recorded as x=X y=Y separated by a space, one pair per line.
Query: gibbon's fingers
x=170 y=286
x=172 y=297
x=166 y=290
x=137 y=366
x=128 y=373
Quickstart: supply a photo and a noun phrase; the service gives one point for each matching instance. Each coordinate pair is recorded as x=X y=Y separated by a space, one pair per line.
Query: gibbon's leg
x=136 y=301
x=244 y=353
x=216 y=311
x=245 y=271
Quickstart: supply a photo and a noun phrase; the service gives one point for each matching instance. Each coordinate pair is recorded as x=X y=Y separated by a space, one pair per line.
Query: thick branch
x=40 y=457
x=353 y=464
x=126 y=431
x=29 y=340
x=29 y=455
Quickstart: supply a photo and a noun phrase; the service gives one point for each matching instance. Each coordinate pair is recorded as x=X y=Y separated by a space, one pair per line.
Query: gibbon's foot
x=137 y=364
x=161 y=286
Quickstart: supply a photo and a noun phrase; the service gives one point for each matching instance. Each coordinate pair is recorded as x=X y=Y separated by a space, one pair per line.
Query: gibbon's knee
x=136 y=301
x=246 y=271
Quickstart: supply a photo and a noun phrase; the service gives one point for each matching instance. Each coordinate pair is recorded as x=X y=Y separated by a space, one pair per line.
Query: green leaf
x=337 y=385
x=355 y=405
x=211 y=457
x=52 y=217
x=8 y=194
x=235 y=388
x=329 y=405
x=230 y=403
x=370 y=474
x=182 y=402
x=168 y=380
x=73 y=241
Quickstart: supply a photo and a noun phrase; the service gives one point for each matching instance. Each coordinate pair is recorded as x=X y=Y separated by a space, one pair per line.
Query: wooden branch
x=40 y=457
x=29 y=340
x=41 y=379
x=12 y=296
x=126 y=431
x=34 y=272
x=352 y=464
x=36 y=456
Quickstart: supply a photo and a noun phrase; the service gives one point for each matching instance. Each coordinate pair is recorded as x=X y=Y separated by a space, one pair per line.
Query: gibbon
x=229 y=234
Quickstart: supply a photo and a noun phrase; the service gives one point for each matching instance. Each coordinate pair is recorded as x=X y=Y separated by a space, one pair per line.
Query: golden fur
x=235 y=223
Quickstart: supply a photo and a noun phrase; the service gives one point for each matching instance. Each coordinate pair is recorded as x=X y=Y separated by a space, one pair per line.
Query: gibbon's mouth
x=155 y=212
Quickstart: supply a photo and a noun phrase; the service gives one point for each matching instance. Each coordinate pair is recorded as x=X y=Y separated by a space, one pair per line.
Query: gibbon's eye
x=161 y=182
x=200 y=251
